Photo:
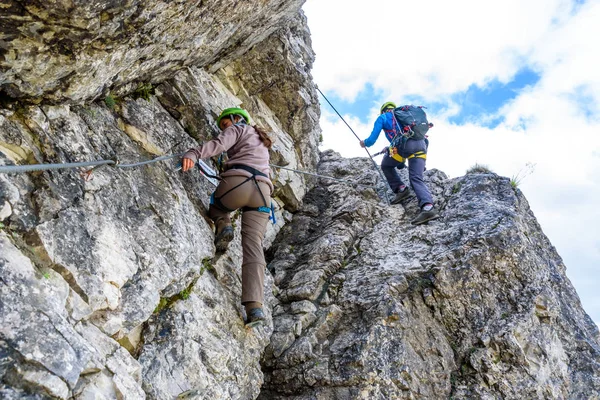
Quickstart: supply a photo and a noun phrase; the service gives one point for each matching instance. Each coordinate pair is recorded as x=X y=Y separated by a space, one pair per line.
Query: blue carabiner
x=272 y=217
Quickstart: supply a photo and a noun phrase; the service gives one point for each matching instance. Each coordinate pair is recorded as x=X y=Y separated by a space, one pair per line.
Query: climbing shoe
x=425 y=216
x=223 y=238
x=255 y=317
x=401 y=196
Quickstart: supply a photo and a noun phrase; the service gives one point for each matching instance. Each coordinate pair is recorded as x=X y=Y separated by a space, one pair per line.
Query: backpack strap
x=395 y=131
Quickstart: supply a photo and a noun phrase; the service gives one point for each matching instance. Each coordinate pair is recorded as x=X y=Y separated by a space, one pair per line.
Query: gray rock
x=464 y=307
x=124 y=247
x=35 y=331
x=109 y=283
x=80 y=51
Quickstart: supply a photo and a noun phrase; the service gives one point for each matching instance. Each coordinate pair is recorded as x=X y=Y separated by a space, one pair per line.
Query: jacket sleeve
x=377 y=127
x=224 y=142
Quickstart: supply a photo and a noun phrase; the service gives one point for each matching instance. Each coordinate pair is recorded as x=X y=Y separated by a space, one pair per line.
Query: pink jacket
x=243 y=146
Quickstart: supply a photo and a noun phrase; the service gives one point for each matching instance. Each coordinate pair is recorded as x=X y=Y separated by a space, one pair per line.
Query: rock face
x=110 y=286
x=77 y=50
x=474 y=305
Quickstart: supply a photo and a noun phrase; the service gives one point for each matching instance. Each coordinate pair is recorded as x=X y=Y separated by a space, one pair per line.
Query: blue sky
x=360 y=106
x=518 y=83
x=478 y=102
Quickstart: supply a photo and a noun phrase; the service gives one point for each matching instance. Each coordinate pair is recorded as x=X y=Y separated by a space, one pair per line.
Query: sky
x=513 y=85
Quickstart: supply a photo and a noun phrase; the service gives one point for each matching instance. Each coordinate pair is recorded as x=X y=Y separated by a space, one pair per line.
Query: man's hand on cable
x=187 y=164
x=362 y=144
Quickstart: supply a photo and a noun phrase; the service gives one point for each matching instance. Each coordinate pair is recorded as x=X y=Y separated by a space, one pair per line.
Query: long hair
x=264 y=137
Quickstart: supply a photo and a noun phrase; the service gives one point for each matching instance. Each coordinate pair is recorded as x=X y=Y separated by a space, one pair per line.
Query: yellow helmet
x=386 y=106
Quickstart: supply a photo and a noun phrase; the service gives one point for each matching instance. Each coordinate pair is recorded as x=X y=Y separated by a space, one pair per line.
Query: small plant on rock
x=185 y=293
x=524 y=172
x=144 y=91
x=110 y=102
x=207 y=266
x=162 y=304
x=456 y=188
x=479 y=169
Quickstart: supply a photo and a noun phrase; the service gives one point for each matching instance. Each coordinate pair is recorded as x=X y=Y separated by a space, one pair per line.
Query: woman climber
x=245 y=185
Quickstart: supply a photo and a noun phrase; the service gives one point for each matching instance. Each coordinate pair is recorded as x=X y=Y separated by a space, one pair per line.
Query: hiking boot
x=425 y=216
x=255 y=317
x=223 y=238
x=401 y=196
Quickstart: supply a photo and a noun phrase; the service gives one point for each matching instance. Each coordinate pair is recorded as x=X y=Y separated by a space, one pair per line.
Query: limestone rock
x=463 y=307
x=115 y=265
x=81 y=50
x=110 y=286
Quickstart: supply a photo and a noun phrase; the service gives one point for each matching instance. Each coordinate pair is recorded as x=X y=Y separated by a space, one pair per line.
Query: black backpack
x=413 y=121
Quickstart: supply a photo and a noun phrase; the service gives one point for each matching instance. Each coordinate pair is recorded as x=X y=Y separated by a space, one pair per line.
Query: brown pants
x=254 y=226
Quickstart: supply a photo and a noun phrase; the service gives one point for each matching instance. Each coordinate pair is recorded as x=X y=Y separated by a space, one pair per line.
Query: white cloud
x=429 y=48
x=437 y=48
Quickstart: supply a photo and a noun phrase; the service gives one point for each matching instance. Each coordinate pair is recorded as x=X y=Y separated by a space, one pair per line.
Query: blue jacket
x=386 y=122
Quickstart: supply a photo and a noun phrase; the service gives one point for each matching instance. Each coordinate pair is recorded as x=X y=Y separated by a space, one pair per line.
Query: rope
x=44 y=167
x=323 y=176
x=373 y=161
x=161 y=158
x=6 y=169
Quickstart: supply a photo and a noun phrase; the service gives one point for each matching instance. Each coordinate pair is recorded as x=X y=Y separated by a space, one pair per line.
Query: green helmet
x=387 y=105
x=233 y=111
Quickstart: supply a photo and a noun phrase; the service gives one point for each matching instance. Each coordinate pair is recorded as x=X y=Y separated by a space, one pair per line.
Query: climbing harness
x=394 y=154
x=398 y=157
x=216 y=201
x=375 y=165
x=397 y=146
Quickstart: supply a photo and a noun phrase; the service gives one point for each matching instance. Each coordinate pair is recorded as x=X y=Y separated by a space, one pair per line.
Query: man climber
x=413 y=150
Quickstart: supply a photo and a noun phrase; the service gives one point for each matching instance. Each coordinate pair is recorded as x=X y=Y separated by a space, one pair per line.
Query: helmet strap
x=242 y=120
